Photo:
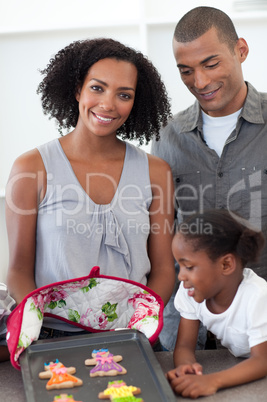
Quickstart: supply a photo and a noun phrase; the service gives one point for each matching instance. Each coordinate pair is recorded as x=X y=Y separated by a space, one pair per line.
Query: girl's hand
x=194 y=368
x=193 y=386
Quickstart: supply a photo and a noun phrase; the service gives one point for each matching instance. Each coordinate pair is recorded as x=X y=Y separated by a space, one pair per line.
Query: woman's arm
x=25 y=189
x=162 y=276
x=4 y=353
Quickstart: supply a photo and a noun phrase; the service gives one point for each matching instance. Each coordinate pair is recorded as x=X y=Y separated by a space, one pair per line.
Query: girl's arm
x=162 y=275
x=24 y=190
x=248 y=370
x=184 y=351
x=251 y=369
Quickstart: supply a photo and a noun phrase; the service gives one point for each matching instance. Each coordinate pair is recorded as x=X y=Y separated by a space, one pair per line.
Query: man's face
x=212 y=72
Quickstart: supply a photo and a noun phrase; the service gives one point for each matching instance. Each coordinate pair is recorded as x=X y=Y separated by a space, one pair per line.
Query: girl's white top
x=243 y=325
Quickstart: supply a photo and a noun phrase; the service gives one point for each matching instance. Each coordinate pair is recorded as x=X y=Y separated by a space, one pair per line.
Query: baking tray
x=143 y=369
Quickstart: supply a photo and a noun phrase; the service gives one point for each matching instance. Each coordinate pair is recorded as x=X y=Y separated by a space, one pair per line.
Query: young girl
x=212 y=250
x=91 y=198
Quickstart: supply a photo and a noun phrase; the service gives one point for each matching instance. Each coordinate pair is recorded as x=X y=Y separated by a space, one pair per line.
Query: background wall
x=33 y=30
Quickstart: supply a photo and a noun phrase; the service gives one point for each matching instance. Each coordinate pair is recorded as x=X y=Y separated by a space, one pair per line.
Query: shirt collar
x=251 y=111
x=193 y=119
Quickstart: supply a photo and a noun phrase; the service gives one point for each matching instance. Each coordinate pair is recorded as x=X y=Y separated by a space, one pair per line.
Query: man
x=217 y=148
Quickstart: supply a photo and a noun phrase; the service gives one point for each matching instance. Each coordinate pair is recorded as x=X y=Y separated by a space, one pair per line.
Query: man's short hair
x=199 y=20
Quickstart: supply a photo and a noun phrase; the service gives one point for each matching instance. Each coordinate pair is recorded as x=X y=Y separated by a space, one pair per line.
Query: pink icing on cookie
x=118 y=385
x=105 y=363
x=104 y=359
x=60 y=370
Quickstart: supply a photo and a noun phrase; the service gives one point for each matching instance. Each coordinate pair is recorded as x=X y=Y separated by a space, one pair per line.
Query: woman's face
x=107 y=96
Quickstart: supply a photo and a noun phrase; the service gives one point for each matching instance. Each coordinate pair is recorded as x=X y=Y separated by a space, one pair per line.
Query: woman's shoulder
x=32 y=160
x=28 y=162
x=27 y=177
x=158 y=162
x=159 y=169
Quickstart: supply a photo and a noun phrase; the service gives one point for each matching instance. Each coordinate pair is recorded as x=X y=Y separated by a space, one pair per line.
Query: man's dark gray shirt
x=237 y=180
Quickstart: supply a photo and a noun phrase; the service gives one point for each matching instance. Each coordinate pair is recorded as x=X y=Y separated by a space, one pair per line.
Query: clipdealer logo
x=189 y=194
x=255 y=213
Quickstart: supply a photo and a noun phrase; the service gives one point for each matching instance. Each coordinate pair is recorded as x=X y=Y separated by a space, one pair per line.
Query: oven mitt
x=94 y=303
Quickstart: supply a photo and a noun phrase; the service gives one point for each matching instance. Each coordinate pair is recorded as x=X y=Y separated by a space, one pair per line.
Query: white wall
x=31 y=31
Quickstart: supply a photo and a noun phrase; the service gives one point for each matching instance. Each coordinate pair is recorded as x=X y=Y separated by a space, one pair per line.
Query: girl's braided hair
x=219 y=232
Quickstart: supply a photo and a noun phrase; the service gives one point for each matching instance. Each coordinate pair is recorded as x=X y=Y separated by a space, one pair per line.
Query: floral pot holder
x=94 y=303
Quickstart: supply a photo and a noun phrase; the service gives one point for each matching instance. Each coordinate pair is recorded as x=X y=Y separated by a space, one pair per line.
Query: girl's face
x=200 y=275
x=107 y=96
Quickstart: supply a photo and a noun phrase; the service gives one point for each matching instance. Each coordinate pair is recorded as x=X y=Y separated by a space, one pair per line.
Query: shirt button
x=177 y=180
x=265 y=171
x=220 y=174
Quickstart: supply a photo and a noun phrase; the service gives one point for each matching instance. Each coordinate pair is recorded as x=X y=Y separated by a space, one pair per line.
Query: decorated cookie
x=48 y=366
x=106 y=363
x=60 y=376
x=118 y=391
x=64 y=398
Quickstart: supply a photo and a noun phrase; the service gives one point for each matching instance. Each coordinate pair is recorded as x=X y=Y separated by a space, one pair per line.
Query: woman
x=90 y=198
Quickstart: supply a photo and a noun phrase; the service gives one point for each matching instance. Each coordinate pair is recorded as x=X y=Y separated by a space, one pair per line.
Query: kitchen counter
x=216 y=360
x=12 y=390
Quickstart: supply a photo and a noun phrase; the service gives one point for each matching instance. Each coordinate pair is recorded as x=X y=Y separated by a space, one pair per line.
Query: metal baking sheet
x=143 y=369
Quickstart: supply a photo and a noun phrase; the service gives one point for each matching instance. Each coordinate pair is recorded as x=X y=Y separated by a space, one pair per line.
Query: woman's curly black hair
x=67 y=70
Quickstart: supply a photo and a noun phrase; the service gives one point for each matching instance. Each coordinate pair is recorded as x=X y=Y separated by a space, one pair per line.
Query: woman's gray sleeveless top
x=74 y=234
